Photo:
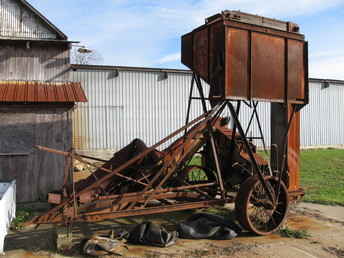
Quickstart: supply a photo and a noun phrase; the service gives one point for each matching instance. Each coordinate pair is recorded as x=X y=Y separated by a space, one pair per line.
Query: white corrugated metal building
x=128 y=102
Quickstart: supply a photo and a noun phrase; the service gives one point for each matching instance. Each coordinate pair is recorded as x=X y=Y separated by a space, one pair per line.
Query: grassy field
x=322 y=176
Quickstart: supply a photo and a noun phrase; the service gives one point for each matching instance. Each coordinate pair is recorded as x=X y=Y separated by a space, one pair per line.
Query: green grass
x=22 y=216
x=322 y=176
x=196 y=160
x=291 y=233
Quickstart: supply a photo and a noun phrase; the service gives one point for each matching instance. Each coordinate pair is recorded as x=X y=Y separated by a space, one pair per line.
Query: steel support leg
x=249 y=151
x=212 y=141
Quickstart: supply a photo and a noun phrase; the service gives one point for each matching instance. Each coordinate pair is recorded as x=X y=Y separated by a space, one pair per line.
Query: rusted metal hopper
x=244 y=56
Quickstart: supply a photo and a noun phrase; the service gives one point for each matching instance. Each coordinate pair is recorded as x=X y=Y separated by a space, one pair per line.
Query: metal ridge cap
x=332 y=81
x=6 y=38
x=129 y=68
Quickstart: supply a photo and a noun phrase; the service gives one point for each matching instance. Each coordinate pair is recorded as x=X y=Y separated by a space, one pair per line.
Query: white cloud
x=327 y=64
x=170 y=58
x=196 y=13
x=327 y=54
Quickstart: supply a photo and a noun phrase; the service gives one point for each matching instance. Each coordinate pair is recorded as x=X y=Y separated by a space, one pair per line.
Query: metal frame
x=85 y=205
x=129 y=204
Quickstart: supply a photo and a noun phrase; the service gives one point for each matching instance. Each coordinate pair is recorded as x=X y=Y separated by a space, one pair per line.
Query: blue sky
x=147 y=33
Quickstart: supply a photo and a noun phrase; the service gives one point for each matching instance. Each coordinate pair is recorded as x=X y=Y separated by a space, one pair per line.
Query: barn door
x=16 y=152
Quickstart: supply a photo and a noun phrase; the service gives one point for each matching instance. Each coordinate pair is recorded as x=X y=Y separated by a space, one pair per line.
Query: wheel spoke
x=261 y=216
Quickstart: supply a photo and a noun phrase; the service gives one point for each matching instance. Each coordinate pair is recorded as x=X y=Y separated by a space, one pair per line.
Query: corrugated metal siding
x=136 y=105
x=322 y=121
x=19 y=22
x=39 y=62
x=132 y=105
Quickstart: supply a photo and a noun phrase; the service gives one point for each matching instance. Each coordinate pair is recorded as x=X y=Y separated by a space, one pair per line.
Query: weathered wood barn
x=36 y=99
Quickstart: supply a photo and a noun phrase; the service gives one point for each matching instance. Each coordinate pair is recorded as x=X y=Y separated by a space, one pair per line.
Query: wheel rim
x=254 y=209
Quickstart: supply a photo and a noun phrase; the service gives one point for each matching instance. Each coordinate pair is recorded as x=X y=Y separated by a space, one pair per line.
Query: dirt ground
x=325 y=225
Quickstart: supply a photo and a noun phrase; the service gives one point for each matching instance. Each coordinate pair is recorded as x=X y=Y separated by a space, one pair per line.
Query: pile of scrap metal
x=142 y=179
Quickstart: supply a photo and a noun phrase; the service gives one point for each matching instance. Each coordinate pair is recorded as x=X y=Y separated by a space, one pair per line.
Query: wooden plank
x=17 y=62
x=5 y=173
x=50 y=132
x=16 y=168
x=23 y=22
x=38 y=172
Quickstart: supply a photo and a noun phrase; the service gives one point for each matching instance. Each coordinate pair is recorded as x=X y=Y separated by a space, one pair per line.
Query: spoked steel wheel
x=254 y=209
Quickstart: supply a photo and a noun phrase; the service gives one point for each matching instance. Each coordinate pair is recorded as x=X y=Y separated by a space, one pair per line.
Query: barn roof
x=41 y=92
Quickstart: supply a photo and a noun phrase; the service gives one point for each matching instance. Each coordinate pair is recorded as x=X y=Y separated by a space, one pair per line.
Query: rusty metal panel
x=294 y=151
x=69 y=93
x=20 y=91
x=30 y=91
x=280 y=115
x=256 y=50
x=40 y=92
x=59 y=94
x=256 y=20
x=268 y=67
x=51 y=93
x=296 y=71
x=54 y=198
x=201 y=53
x=79 y=92
x=238 y=63
x=10 y=94
x=217 y=58
x=264 y=30
x=187 y=55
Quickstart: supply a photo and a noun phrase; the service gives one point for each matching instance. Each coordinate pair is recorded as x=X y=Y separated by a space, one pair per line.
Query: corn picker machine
x=245 y=59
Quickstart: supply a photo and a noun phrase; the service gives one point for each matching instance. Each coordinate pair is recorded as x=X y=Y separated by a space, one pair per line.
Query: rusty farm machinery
x=245 y=59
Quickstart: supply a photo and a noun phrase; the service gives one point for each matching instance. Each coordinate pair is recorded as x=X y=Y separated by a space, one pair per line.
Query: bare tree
x=82 y=55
